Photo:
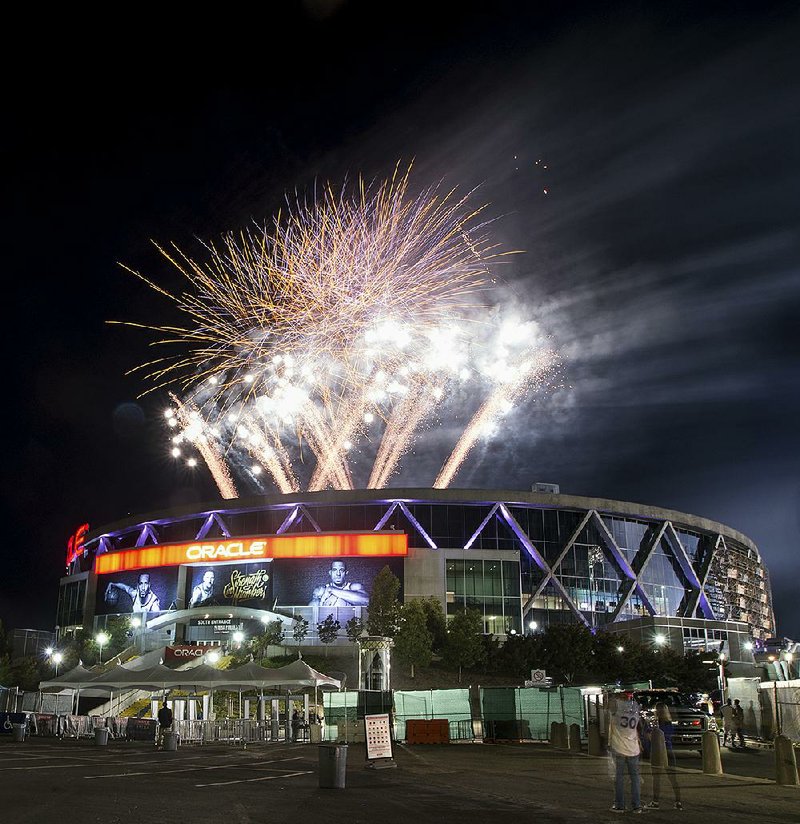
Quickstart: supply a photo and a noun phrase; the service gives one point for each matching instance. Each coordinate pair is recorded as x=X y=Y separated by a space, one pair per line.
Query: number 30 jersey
x=623 y=728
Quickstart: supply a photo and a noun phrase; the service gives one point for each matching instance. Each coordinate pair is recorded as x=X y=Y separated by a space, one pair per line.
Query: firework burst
x=338 y=330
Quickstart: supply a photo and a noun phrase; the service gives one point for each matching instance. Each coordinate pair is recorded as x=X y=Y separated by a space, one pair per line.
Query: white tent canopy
x=296 y=675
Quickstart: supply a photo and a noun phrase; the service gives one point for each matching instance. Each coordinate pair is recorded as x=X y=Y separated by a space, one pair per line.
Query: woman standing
x=664 y=722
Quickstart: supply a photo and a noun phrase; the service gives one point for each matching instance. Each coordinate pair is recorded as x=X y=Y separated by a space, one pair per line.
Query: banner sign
x=218 y=626
x=147 y=591
x=247 y=585
x=182 y=654
x=340 y=583
x=222 y=550
x=378 y=736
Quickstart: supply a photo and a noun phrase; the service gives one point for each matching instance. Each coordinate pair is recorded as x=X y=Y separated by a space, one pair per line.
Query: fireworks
x=341 y=329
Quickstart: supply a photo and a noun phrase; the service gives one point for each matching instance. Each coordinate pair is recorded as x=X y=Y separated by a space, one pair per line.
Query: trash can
x=101 y=736
x=171 y=740
x=18 y=731
x=315 y=733
x=332 y=766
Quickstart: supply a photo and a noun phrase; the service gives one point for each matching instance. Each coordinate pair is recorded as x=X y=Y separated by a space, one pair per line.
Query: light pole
x=101 y=639
x=57 y=659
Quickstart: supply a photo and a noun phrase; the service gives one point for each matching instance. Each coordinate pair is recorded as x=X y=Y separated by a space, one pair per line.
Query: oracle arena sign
x=264 y=547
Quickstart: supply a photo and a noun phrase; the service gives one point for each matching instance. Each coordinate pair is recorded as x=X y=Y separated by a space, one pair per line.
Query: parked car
x=689 y=720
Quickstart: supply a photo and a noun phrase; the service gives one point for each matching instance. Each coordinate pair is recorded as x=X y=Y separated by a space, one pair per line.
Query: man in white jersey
x=143 y=599
x=339 y=592
x=625 y=746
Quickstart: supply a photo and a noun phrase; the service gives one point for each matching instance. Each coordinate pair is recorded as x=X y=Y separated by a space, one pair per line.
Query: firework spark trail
x=324 y=447
x=273 y=456
x=345 y=430
x=502 y=398
x=189 y=418
x=404 y=421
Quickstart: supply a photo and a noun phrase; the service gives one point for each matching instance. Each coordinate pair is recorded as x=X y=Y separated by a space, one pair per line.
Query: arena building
x=523 y=559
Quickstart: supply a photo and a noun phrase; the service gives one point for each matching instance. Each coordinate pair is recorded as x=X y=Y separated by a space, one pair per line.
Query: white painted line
x=251 y=780
x=43 y=767
x=228 y=766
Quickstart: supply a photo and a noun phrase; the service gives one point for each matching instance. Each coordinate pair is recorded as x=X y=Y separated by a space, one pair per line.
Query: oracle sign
x=230 y=550
x=376 y=544
x=185 y=653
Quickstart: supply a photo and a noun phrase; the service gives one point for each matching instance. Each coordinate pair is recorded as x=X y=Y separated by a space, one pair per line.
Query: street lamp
x=533 y=626
x=101 y=639
x=212 y=657
x=660 y=640
x=238 y=637
x=620 y=649
x=57 y=659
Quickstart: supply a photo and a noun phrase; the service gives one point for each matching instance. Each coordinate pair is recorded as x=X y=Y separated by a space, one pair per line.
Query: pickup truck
x=689 y=721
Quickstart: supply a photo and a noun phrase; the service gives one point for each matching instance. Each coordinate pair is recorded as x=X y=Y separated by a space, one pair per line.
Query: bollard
x=574 y=738
x=658 y=748
x=562 y=741
x=596 y=746
x=785 y=761
x=554 y=733
x=712 y=763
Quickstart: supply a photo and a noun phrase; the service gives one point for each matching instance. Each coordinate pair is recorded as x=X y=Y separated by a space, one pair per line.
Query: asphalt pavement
x=51 y=781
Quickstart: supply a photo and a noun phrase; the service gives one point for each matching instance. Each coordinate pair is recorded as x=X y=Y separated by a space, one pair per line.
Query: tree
x=413 y=642
x=464 y=646
x=384 y=606
x=436 y=622
x=271 y=636
x=300 y=630
x=328 y=631
x=353 y=629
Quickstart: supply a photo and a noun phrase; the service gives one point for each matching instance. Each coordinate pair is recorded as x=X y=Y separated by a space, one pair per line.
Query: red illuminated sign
x=220 y=550
x=75 y=543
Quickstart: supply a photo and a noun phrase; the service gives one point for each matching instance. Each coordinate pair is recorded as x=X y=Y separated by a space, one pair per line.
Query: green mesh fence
x=450 y=704
x=526 y=713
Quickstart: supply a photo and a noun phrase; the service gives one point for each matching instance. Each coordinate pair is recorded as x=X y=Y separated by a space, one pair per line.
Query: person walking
x=625 y=745
x=664 y=722
x=738 y=723
x=727 y=722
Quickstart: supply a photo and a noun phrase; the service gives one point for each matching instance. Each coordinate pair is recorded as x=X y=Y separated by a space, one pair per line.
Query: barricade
x=427 y=731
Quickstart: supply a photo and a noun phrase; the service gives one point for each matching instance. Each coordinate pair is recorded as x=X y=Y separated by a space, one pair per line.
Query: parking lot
x=71 y=781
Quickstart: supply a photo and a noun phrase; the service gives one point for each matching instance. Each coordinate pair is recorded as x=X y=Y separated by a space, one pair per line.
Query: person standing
x=664 y=722
x=164 y=721
x=727 y=722
x=738 y=723
x=625 y=746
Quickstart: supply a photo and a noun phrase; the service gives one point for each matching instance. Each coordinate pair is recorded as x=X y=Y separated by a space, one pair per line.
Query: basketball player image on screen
x=143 y=599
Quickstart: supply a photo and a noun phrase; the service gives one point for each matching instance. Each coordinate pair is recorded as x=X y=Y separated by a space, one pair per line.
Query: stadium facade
x=525 y=560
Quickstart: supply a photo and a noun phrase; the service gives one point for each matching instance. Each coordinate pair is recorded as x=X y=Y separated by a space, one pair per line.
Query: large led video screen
x=329 y=582
x=145 y=590
x=244 y=585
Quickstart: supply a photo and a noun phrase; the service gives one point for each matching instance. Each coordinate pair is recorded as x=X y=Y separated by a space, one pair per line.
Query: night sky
x=661 y=243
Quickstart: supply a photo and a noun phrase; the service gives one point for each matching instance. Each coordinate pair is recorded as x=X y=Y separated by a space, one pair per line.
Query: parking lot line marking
x=43 y=767
x=157 y=772
x=251 y=780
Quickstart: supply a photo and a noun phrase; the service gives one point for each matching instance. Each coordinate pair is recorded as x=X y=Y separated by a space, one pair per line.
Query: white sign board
x=378 y=735
x=539 y=677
